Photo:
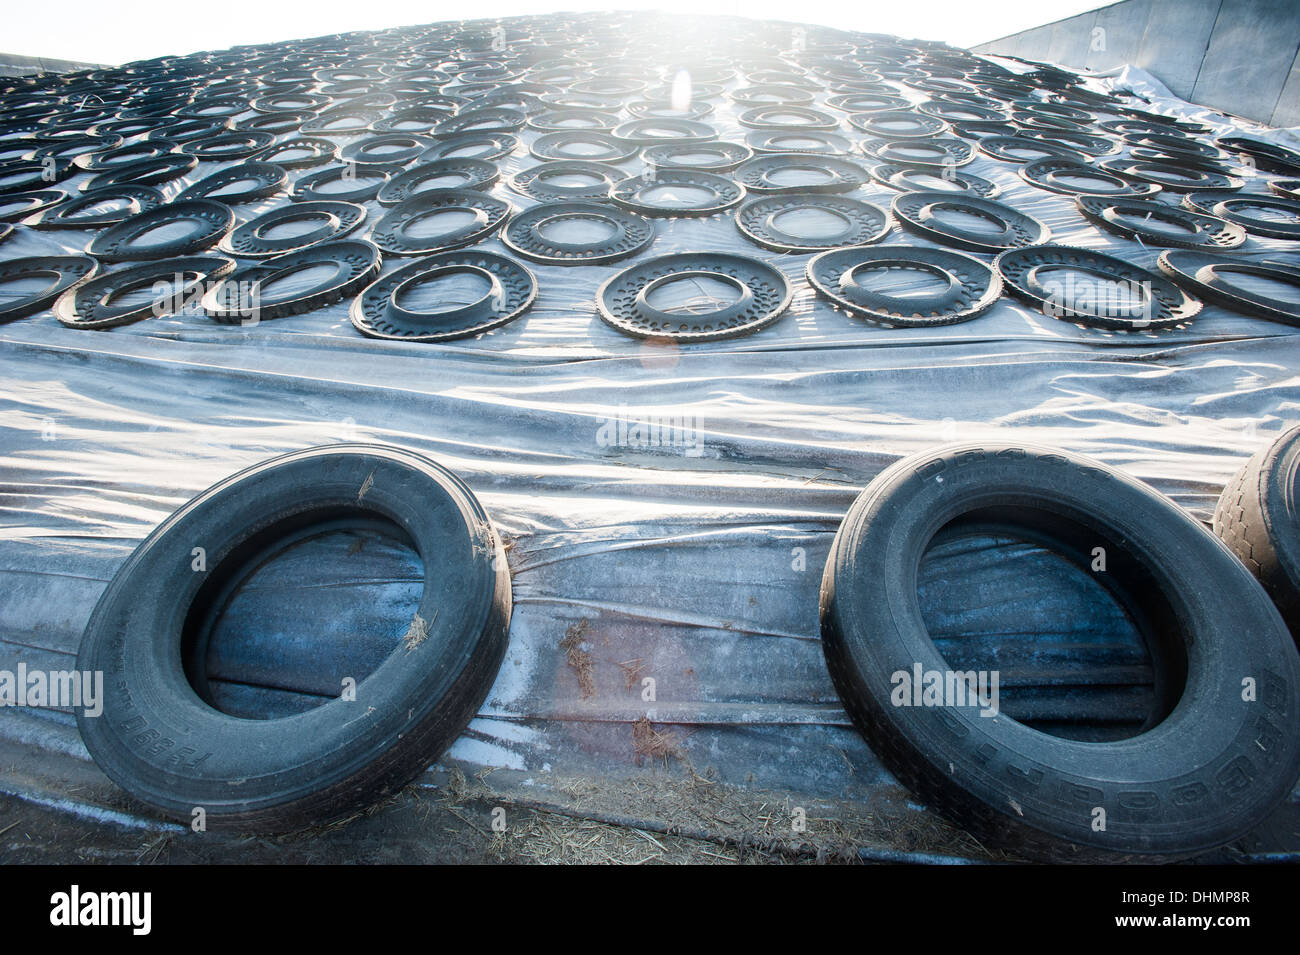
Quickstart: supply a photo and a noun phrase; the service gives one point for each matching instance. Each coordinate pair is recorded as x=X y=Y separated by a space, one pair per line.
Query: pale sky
x=104 y=31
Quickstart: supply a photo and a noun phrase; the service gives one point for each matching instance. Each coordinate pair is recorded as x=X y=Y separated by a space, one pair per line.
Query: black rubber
x=239 y=299
x=584 y=145
x=833 y=174
x=771 y=94
x=798 y=141
x=666 y=109
x=957 y=112
x=125 y=155
x=487 y=146
x=336 y=219
x=1209 y=275
x=632 y=193
x=171 y=750
x=16 y=206
x=173 y=131
x=24 y=177
x=278 y=123
x=390 y=149
x=1171 y=176
x=558 y=120
x=359 y=183
x=898 y=124
x=341 y=121
x=1085 y=143
x=511 y=290
x=298 y=101
x=1286 y=188
x=1160 y=303
x=787 y=116
x=1257 y=517
x=1022 y=149
x=917 y=211
x=208 y=222
x=224 y=147
x=1213 y=768
x=445 y=173
x=629 y=234
x=1269 y=157
x=146 y=172
x=659 y=131
x=712 y=156
x=973 y=286
x=538 y=182
x=1132 y=219
x=61 y=271
x=938 y=154
x=316 y=152
x=476 y=121
x=417 y=120
x=391 y=233
x=1187 y=160
x=867 y=102
x=93 y=304
x=759 y=221
x=908 y=179
x=264 y=180
x=763 y=295
x=1055 y=175
x=68 y=147
x=1182 y=146
x=1239 y=209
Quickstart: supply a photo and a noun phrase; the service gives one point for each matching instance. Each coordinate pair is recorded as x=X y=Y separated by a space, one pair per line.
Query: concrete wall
x=1239 y=56
x=11 y=64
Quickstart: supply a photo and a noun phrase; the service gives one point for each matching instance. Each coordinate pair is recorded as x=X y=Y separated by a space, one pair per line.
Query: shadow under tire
x=1258 y=518
x=1209 y=766
x=160 y=741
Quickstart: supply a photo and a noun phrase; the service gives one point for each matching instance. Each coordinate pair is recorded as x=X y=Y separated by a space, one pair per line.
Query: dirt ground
x=656 y=819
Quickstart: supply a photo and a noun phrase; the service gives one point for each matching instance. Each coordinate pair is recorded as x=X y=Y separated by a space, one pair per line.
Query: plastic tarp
x=695 y=563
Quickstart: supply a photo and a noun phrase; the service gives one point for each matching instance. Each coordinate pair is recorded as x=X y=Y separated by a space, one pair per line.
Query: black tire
x=1258 y=518
x=1202 y=776
x=159 y=740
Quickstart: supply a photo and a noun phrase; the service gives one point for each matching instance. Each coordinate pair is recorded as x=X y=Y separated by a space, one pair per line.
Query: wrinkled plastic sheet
x=696 y=563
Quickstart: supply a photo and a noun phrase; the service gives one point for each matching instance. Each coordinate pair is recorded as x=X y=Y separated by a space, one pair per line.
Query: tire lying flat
x=160 y=741
x=1258 y=518
x=1202 y=776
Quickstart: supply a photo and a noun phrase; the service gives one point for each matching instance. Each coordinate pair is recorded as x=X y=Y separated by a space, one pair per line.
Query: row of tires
x=1219 y=754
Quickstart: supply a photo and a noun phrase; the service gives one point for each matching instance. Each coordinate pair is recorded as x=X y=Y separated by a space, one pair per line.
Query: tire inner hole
x=441 y=222
x=27 y=285
x=444 y=293
x=298 y=620
x=586 y=228
x=901 y=282
x=1078 y=655
x=811 y=223
x=695 y=295
x=677 y=194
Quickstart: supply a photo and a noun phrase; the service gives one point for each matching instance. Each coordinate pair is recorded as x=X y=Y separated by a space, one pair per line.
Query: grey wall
x=11 y=64
x=1238 y=56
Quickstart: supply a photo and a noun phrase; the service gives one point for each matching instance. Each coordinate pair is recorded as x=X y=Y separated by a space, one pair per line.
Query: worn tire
x=160 y=741
x=1209 y=771
x=1258 y=517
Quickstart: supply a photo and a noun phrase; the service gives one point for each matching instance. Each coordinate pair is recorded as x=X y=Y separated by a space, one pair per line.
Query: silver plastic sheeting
x=695 y=563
